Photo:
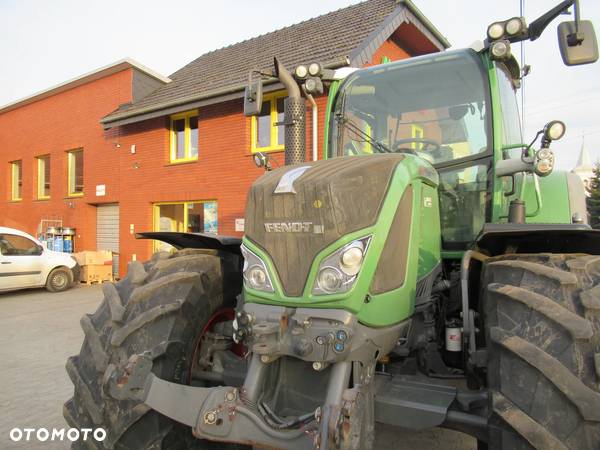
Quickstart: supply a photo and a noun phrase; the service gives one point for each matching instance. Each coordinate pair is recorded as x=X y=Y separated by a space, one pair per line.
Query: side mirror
x=253 y=96
x=40 y=250
x=262 y=161
x=577 y=47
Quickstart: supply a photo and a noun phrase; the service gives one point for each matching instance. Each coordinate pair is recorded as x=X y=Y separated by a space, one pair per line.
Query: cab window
x=511 y=122
x=12 y=245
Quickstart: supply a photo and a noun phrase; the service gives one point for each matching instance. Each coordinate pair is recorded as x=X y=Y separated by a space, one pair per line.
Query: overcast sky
x=47 y=42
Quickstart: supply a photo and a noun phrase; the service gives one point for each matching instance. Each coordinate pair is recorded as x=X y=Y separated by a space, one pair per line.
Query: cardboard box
x=90 y=258
x=96 y=273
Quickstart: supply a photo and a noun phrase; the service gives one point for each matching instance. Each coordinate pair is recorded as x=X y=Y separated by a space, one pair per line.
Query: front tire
x=60 y=279
x=542 y=316
x=159 y=308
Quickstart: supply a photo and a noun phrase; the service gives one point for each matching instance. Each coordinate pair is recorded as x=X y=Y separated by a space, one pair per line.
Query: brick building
x=130 y=150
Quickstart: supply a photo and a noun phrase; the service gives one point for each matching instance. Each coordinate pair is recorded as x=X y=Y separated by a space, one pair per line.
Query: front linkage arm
x=228 y=413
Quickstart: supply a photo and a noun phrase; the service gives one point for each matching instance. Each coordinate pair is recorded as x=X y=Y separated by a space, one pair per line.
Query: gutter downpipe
x=315 y=123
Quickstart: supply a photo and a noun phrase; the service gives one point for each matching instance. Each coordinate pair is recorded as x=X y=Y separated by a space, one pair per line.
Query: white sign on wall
x=100 y=190
x=239 y=224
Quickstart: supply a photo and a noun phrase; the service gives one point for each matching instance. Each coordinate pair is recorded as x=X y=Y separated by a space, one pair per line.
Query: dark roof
x=348 y=36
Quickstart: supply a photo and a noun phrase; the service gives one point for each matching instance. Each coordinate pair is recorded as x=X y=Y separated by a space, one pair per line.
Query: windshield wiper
x=344 y=121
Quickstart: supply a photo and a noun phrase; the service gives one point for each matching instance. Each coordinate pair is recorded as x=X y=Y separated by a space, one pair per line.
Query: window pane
x=263 y=126
x=44 y=176
x=511 y=123
x=179 y=130
x=194 y=136
x=462 y=190
x=445 y=99
x=17 y=180
x=77 y=172
x=170 y=218
x=281 y=128
x=211 y=222
x=11 y=245
x=195 y=218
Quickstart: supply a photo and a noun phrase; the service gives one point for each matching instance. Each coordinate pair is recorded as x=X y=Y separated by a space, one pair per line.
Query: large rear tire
x=159 y=307
x=542 y=316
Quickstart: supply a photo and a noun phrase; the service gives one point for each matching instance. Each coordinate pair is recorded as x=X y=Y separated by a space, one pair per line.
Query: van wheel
x=60 y=279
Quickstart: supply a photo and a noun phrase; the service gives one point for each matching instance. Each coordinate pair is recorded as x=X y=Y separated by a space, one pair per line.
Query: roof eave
x=116 y=119
x=436 y=34
x=110 y=69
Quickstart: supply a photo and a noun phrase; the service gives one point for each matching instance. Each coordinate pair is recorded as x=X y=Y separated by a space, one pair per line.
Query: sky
x=45 y=43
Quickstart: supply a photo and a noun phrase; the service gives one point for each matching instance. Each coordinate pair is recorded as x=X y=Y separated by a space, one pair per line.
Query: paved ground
x=39 y=330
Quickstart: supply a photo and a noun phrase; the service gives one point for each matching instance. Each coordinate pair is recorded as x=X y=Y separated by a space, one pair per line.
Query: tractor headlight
x=338 y=272
x=255 y=272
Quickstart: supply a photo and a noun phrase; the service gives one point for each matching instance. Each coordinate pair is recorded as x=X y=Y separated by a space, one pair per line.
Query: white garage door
x=107 y=232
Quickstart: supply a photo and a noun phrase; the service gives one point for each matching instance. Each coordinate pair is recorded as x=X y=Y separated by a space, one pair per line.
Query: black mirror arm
x=537 y=27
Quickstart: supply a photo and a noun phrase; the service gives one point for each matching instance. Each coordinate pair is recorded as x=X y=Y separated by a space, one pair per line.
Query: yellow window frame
x=417 y=132
x=187 y=137
x=271 y=97
x=156 y=216
x=15 y=195
x=71 y=173
x=41 y=178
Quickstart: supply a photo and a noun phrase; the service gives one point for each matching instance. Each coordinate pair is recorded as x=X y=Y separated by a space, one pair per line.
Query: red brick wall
x=223 y=172
x=390 y=50
x=54 y=125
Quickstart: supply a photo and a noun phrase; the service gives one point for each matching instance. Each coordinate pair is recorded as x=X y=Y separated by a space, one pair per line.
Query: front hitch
x=225 y=413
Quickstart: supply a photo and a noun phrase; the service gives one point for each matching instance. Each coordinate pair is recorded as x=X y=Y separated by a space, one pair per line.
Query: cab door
x=21 y=263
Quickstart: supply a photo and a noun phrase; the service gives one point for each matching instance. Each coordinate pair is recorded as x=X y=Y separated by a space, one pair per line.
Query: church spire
x=584 y=162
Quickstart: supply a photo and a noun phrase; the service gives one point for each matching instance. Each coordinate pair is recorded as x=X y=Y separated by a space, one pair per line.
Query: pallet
x=96 y=274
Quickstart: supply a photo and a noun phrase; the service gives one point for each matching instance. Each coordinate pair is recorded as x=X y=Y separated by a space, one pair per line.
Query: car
x=26 y=263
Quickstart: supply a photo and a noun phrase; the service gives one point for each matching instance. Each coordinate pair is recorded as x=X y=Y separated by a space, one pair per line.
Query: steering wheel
x=427 y=145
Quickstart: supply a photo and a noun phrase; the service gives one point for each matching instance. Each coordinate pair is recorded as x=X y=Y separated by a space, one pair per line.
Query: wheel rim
x=59 y=280
x=223 y=315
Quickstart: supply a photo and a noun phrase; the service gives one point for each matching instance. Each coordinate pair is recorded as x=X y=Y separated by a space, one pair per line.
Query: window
x=76 y=172
x=416 y=133
x=511 y=123
x=190 y=217
x=43 y=183
x=184 y=136
x=266 y=136
x=16 y=169
x=436 y=106
x=463 y=189
x=12 y=245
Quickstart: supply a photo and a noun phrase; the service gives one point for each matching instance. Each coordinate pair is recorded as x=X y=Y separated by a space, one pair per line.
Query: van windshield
x=434 y=106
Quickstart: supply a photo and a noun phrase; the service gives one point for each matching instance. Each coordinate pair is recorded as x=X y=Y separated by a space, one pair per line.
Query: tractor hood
x=294 y=212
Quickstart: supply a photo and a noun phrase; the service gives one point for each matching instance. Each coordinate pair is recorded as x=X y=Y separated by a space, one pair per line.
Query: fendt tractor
x=431 y=271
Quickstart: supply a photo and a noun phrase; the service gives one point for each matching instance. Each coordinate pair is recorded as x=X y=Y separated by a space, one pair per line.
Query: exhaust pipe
x=294 y=117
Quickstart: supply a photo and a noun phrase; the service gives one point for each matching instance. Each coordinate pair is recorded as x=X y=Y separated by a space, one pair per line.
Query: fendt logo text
x=288 y=227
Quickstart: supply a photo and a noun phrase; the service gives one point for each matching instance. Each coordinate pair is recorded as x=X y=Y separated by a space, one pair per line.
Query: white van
x=25 y=263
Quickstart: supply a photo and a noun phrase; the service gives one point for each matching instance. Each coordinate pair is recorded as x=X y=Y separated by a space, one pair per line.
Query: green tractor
x=431 y=271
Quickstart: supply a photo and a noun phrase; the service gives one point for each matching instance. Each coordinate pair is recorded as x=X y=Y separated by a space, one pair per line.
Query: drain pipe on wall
x=315 y=123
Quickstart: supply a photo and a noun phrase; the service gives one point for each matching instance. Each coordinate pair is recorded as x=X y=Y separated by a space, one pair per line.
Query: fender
x=179 y=240
x=497 y=239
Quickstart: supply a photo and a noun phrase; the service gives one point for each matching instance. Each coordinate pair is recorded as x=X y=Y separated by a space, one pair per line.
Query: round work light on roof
x=514 y=26
x=500 y=50
x=314 y=69
x=301 y=71
x=495 y=30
